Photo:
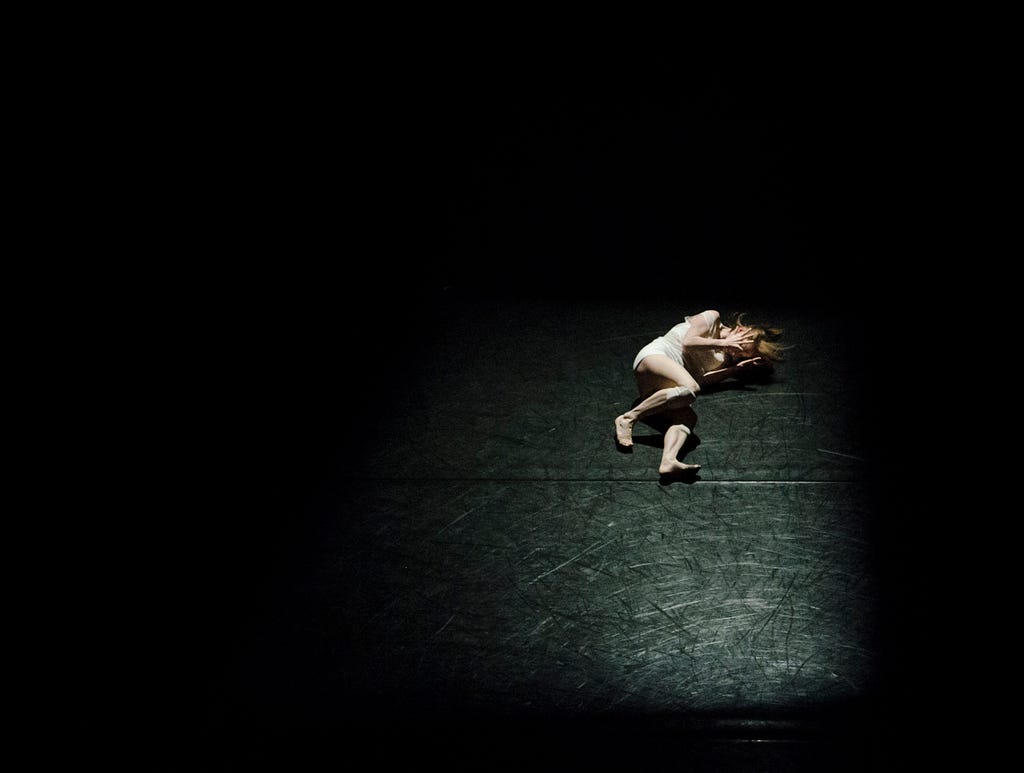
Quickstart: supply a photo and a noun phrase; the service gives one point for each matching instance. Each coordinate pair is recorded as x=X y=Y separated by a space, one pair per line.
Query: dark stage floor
x=478 y=575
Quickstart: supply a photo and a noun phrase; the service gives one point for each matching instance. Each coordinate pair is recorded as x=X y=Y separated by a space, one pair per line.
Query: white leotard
x=698 y=361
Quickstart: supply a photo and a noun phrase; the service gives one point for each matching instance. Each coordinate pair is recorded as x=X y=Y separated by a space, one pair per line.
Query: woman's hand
x=734 y=339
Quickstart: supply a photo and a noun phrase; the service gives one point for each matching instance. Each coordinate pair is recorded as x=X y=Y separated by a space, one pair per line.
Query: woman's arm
x=717 y=376
x=743 y=367
x=693 y=341
x=700 y=328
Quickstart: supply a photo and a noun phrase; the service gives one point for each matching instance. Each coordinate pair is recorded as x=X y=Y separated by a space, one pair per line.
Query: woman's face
x=748 y=350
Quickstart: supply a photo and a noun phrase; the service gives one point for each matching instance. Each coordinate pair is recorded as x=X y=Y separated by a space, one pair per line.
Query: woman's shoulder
x=710 y=317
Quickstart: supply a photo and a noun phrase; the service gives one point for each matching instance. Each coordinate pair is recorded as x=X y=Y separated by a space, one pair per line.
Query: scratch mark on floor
x=574 y=558
x=445 y=625
x=836 y=453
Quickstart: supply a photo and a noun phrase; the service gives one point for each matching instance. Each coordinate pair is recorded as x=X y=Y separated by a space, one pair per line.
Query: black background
x=308 y=210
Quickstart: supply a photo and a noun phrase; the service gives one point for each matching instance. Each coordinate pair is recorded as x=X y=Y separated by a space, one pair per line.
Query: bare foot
x=677 y=468
x=624 y=432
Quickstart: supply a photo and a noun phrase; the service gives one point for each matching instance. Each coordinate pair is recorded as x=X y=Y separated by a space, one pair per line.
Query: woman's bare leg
x=664 y=385
x=675 y=438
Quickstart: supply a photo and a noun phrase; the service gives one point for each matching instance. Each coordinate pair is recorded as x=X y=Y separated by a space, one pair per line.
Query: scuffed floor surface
x=489 y=567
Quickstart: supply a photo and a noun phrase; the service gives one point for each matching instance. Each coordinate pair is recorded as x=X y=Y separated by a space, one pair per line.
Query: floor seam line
x=591 y=480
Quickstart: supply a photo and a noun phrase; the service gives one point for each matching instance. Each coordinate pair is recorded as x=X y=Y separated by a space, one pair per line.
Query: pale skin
x=658 y=376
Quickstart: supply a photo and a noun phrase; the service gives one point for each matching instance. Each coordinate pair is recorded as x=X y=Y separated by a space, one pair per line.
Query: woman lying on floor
x=672 y=369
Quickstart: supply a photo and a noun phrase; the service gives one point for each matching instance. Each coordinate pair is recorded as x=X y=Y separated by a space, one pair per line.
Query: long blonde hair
x=766 y=340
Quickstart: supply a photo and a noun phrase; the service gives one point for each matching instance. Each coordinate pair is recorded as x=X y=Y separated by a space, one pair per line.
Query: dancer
x=672 y=369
